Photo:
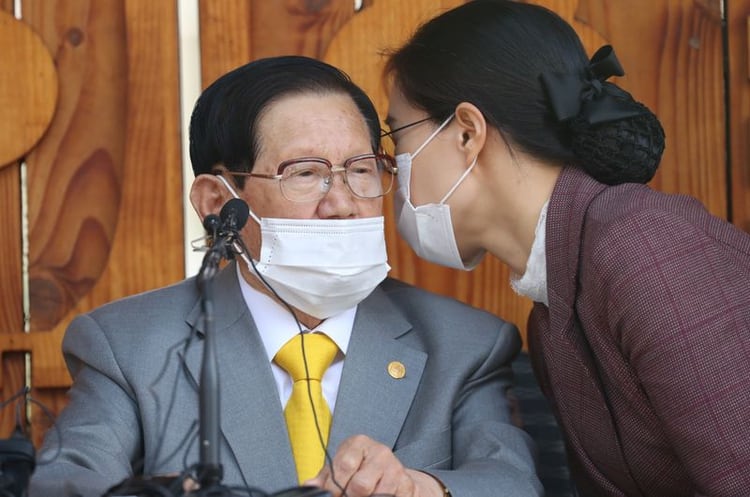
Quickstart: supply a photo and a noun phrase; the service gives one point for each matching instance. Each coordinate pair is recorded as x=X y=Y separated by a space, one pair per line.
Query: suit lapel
x=371 y=401
x=252 y=419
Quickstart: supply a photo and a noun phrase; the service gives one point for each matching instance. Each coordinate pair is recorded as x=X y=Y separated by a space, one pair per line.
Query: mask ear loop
x=460 y=180
x=234 y=193
x=433 y=135
x=243 y=253
x=419 y=149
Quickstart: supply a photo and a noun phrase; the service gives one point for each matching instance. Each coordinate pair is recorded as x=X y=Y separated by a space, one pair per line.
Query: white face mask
x=428 y=228
x=321 y=267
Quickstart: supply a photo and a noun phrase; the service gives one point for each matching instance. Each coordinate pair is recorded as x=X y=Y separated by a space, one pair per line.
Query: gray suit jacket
x=134 y=402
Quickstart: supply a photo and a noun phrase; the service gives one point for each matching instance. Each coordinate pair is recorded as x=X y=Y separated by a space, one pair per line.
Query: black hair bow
x=584 y=95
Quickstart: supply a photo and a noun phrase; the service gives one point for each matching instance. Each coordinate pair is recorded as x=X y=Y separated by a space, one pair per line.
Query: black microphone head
x=16 y=464
x=234 y=214
x=211 y=223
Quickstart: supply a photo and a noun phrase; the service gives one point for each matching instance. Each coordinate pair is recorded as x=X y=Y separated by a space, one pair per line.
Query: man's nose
x=339 y=202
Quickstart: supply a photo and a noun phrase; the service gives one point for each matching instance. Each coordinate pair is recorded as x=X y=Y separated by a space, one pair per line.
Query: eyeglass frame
x=384 y=134
x=390 y=161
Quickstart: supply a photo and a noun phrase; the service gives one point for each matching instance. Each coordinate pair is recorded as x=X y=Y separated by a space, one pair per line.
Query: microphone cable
x=243 y=252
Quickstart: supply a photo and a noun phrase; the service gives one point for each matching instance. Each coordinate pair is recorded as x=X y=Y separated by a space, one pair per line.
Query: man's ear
x=473 y=129
x=208 y=195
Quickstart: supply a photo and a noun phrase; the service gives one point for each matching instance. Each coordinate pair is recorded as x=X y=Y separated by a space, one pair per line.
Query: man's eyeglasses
x=308 y=179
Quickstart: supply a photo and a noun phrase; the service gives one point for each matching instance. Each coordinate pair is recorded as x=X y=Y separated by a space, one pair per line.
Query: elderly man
x=331 y=375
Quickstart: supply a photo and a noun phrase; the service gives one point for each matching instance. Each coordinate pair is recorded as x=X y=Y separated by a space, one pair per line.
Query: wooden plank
x=672 y=54
x=115 y=159
x=738 y=26
x=12 y=369
x=148 y=247
x=105 y=195
x=234 y=32
x=225 y=27
x=11 y=305
x=76 y=171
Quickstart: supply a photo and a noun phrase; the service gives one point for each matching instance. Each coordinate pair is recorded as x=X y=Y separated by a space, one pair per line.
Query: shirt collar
x=277 y=326
x=533 y=283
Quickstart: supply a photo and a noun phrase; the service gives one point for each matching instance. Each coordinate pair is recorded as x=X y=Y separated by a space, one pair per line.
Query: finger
x=328 y=481
x=349 y=458
x=394 y=479
x=392 y=485
x=405 y=488
x=190 y=485
x=380 y=472
x=319 y=479
x=363 y=482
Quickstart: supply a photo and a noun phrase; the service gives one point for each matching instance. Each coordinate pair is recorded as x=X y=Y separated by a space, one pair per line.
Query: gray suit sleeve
x=99 y=432
x=491 y=456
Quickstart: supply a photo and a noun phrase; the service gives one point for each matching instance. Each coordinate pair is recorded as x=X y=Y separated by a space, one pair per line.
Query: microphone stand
x=209 y=470
x=225 y=231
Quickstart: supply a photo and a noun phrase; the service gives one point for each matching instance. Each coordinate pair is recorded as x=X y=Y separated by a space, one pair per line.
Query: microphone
x=16 y=464
x=234 y=215
x=211 y=224
x=224 y=230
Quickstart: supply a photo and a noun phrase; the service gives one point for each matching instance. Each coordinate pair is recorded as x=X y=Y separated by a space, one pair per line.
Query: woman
x=510 y=141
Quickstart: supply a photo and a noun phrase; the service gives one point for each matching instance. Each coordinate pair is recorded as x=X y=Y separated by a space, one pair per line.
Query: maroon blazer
x=644 y=351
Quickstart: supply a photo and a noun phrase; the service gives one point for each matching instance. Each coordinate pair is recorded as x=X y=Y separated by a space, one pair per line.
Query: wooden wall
x=104 y=201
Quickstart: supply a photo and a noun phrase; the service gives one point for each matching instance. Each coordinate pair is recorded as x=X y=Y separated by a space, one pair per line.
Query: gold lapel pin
x=396 y=369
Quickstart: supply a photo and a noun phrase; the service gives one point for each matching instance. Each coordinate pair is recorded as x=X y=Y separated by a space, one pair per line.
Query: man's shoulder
x=161 y=309
x=418 y=302
x=162 y=299
x=446 y=326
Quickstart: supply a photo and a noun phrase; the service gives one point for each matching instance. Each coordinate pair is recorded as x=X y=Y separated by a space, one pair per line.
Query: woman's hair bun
x=627 y=150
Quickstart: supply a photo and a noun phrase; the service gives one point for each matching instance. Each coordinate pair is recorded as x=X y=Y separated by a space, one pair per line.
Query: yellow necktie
x=308 y=450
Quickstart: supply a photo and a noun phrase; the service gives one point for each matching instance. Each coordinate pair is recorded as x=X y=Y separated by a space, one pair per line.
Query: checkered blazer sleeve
x=673 y=286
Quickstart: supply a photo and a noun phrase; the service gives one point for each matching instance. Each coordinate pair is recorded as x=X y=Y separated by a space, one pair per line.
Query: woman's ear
x=473 y=129
x=208 y=195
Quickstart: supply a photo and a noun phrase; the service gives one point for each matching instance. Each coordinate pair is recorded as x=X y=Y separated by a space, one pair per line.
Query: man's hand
x=364 y=467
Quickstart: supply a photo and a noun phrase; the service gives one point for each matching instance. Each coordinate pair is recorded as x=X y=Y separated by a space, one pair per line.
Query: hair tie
x=585 y=95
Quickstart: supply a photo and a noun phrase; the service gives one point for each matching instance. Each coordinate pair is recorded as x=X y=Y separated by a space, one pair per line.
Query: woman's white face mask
x=320 y=266
x=428 y=228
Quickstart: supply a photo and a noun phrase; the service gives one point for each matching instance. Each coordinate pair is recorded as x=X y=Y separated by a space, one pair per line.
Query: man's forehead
x=311 y=124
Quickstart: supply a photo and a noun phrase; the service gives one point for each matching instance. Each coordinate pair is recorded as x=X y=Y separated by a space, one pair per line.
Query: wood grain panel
x=75 y=173
x=12 y=369
x=234 y=32
x=28 y=88
x=225 y=33
x=738 y=25
x=672 y=54
x=148 y=245
x=105 y=194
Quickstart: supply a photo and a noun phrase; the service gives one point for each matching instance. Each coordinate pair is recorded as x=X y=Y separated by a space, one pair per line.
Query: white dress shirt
x=277 y=326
